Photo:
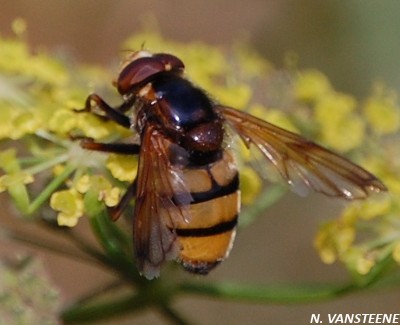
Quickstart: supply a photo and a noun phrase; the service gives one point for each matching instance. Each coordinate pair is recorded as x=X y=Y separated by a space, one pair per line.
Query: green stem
x=154 y=294
x=377 y=272
x=267 y=294
x=50 y=188
x=46 y=164
x=388 y=282
x=290 y=293
x=53 y=138
x=173 y=316
x=101 y=311
x=118 y=254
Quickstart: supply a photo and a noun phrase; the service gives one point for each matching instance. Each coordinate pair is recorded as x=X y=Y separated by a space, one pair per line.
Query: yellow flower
x=112 y=197
x=386 y=165
x=101 y=186
x=274 y=116
x=48 y=70
x=14 y=56
x=63 y=121
x=122 y=167
x=8 y=160
x=17 y=59
x=203 y=63
x=375 y=207
x=246 y=155
x=14 y=176
x=393 y=184
x=332 y=240
x=325 y=245
x=350 y=213
x=340 y=128
x=344 y=237
x=383 y=113
x=333 y=108
x=327 y=254
x=93 y=126
x=344 y=135
x=359 y=260
x=18 y=26
x=9 y=180
x=237 y=96
x=58 y=169
x=39 y=92
x=396 y=252
x=70 y=205
x=250 y=185
x=24 y=123
x=311 y=85
x=83 y=184
x=364 y=265
x=7 y=114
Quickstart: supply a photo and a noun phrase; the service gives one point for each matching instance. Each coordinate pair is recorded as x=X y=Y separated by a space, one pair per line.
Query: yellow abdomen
x=207 y=237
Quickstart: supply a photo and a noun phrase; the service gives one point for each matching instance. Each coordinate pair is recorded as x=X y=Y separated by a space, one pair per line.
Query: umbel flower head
x=367 y=232
x=38 y=110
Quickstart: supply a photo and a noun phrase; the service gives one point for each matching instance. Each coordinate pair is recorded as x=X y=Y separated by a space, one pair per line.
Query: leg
x=110 y=113
x=126 y=105
x=121 y=148
x=115 y=212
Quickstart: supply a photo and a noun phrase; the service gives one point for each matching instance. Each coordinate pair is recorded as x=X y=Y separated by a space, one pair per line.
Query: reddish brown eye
x=170 y=62
x=138 y=71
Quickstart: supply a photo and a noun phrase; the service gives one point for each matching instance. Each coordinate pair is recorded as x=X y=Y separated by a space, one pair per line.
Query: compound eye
x=169 y=61
x=138 y=71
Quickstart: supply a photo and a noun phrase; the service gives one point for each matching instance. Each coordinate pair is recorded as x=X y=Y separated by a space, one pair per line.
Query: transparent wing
x=161 y=198
x=300 y=162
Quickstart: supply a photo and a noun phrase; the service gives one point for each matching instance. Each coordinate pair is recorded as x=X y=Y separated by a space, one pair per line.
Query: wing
x=301 y=162
x=161 y=198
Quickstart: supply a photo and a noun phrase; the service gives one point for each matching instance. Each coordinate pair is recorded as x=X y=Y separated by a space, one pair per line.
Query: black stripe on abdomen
x=216 y=191
x=217 y=229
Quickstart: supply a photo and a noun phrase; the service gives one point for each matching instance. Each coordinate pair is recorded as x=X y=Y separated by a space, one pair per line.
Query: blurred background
x=354 y=42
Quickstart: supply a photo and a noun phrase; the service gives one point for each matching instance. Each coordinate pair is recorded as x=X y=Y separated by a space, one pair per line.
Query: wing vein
x=301 y=162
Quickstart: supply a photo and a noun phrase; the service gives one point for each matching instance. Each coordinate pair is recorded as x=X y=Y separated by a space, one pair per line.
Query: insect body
x=187 y=189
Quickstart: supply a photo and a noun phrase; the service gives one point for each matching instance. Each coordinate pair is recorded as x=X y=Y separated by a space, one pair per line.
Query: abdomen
x=207 y=237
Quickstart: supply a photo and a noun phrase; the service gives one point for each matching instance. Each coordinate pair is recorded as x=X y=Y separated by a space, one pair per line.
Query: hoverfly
x=187 y=188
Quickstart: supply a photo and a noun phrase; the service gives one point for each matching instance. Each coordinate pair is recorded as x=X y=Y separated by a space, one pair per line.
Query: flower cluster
x=41 y=105
x=40 y=96
x=367 y=232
